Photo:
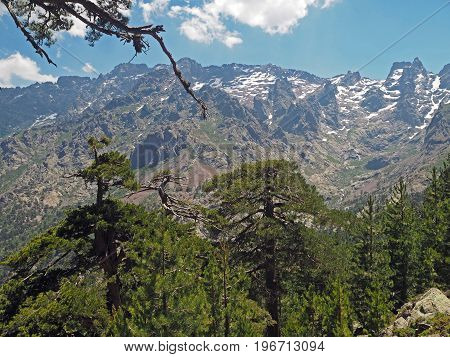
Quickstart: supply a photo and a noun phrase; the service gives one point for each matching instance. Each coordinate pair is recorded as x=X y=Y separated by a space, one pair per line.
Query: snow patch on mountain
x=44 y=119
x=436 y=84
x=389 y=107
x=413 y=135
x=249 y=86
x=434 y=108
x=397 y=74
x=198 y=86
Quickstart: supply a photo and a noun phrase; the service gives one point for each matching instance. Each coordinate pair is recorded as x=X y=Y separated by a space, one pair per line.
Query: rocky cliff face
x=444 y=77
x=438 y=132
x=351 y=135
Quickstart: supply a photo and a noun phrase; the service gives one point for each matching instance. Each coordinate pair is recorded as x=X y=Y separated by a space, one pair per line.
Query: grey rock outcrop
x=417 y=314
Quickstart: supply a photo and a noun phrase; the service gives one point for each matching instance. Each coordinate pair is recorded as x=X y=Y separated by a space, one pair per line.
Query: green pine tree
x=174 y=286
x=402 y=232
x=109 y=169
x=319 y=311
x=371 y=282
x=77 y=308
x=434 y=229
x=263 y=206
x=443 y=263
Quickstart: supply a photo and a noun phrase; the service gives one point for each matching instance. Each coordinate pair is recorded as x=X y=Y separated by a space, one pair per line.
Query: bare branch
x=184 y=82
x=27 y=35
x=170 y=204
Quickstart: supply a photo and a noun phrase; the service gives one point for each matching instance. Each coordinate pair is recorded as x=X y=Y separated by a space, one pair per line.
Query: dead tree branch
x=171 y=205
x=102 y=22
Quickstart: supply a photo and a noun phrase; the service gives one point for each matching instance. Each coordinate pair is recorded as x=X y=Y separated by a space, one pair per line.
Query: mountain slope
x=351 y=135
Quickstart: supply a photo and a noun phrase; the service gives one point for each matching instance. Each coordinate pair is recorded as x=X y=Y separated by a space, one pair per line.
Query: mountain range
x=351 y=135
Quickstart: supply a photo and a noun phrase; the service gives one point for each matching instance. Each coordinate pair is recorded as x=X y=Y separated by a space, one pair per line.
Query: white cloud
x=21 y=67
x=328 y=3
x=125 y=11
x=205 y=27
x=67 y=69
x=78 y=29
x=155 y=7
x=206 y=23
x=88 y=68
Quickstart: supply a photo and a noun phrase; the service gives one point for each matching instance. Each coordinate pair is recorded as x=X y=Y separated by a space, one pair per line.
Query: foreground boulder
x=428 y=315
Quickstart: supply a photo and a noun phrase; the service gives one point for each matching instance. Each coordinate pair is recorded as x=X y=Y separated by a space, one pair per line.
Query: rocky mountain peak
x=351 y=78
x=398 y=65
x=418 y=64
x=190 y=68
x=72 y=81
x=406 y=78
x=413 y=68
x=188 y=62
x=129 y=69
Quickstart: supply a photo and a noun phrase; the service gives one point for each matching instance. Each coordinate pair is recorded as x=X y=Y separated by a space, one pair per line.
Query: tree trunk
x=272 y=286
x=164 y=295
x=106 y=252
x=272 y=289
x=225 y=295
x=113 y=298
x=100 y=193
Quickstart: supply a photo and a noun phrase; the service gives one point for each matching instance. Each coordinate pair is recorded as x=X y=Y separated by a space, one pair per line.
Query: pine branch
x=120 y=29
x=39 y=50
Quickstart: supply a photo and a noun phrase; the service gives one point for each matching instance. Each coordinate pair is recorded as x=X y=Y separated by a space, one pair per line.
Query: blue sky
x=324 y=37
